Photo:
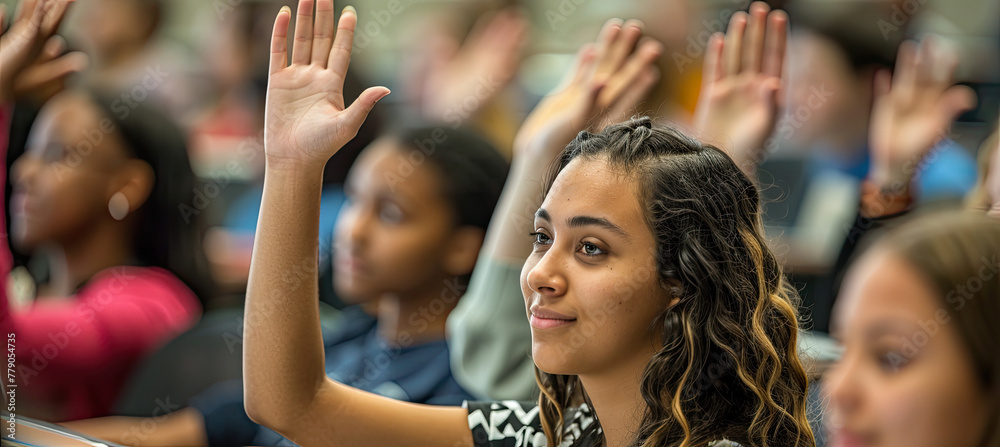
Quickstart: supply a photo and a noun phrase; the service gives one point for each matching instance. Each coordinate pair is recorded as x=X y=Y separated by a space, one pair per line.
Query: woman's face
x=906 y=378
x=590 y=285
x=64 y=179
x=392 y=234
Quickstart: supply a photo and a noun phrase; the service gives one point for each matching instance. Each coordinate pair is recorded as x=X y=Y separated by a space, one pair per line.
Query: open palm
x=609 y=80
x=306 y=120
x=913 y=110
x=738 y=104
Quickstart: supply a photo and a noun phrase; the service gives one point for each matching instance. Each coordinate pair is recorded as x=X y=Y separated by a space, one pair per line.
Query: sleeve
x=489 y=337
x=505 y=424
x=226 y=422
x=121 y=316
x=6 y=260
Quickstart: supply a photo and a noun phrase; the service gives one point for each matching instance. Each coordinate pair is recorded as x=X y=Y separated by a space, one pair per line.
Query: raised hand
x=609 y=80
x=490 y=57
x=913 y=110
x=21 y=49
x=306 y=120
x=738 y=103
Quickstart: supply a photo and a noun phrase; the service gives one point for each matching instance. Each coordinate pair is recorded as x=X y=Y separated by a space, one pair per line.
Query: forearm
x=283 y=349
x=507 y=237
x=181 y=428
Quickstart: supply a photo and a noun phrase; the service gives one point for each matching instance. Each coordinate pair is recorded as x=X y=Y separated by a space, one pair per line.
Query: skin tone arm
x=306 y=122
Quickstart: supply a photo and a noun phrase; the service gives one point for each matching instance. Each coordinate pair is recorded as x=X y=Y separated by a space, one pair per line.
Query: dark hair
x=729 y=366
x=950 y=250
x=165 y=237
x=472 y=170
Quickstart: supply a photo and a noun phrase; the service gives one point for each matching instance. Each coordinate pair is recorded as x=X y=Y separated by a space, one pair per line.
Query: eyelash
x=538 y=235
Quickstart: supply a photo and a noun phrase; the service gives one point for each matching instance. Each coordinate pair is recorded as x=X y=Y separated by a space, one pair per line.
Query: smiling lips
x=546 y=319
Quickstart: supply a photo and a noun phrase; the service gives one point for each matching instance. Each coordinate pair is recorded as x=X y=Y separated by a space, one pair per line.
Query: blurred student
x=406 y=241
x=917 y=319
x=97 y=194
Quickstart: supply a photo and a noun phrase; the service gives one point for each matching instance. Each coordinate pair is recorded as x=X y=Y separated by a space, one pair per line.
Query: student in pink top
x=98 y=193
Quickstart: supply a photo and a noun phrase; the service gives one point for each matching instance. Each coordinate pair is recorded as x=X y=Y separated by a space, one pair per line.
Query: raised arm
x=306 y=122
x=489 y=336
x=913 y=110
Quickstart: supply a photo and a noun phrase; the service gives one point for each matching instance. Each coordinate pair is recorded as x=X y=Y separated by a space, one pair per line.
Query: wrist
x=273 y=163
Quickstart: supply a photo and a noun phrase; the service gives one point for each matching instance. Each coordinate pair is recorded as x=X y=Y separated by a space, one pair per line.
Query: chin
x=554 y=358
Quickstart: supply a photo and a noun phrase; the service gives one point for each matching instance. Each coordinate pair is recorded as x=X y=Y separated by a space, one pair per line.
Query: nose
x=351 y=225
x=547 y=276
x=23 y=170
x=841 y=389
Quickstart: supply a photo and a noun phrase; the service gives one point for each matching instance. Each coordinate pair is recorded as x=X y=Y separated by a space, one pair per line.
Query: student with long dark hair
x=97 y=194
x=658 y=314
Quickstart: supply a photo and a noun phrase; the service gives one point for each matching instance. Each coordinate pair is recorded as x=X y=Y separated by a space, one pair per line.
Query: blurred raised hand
x=31 y=59
x=480 y=68
x=742 y=79
x=912 y=111
x=306 y=120
x=609 y=80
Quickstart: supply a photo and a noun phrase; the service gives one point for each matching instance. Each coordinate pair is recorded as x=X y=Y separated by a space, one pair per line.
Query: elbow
x=263 y=414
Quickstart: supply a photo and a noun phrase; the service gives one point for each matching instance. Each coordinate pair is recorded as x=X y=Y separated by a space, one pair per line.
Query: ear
x=463 y=250
x=134 y=180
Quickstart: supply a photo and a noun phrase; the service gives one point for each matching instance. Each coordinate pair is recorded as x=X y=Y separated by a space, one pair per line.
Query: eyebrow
x=582 y=221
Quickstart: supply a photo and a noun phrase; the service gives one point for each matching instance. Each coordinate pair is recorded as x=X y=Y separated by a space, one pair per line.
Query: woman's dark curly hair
x=728 y=367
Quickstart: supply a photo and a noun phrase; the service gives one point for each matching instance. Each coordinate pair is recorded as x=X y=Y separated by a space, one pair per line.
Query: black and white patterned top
x=511 y=423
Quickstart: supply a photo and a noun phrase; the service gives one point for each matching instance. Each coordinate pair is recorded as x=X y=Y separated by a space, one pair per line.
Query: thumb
x=357 y=112
x=957 y=100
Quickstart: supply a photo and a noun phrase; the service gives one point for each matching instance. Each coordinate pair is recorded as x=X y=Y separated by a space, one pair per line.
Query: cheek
x=62 y=201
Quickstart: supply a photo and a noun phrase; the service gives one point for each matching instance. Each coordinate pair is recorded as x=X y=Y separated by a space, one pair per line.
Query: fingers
x=775 y=43
x=302 y=45
x=904 y=75
x=754 y=51
x=619 y=49
x=625 y=78
x=713 y=69
x=582 y=67
x=605 y=40
x=883 y=83
x=957 y=100
x=355 y=114
x=635 y=94
x=55 y=11
x=732 y=53
x=340 y=56
x=323 y=36
x=279 y=40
